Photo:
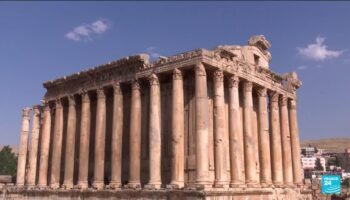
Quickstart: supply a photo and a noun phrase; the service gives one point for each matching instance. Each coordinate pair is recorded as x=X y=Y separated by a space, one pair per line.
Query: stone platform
x=213 y=194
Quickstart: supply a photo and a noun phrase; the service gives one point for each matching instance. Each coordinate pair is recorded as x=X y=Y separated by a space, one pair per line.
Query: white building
x=310 y=162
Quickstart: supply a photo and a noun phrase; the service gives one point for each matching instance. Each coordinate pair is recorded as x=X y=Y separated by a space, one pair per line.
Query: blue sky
x=40 y=41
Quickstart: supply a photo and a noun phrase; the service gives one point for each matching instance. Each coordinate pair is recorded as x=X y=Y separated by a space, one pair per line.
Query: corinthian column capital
x=100 y=93
x=177 y=74
x=71 y=100
x=261 y=91
x=135 y=84
x=153 y=79
x=218 y=76
x=274 y=96
x=116 y=88
x=84 y=96
x=292 y=104
x=283 y=100
x=200 y=70
x=233 y=81
x=248 y=86
x=58 y=103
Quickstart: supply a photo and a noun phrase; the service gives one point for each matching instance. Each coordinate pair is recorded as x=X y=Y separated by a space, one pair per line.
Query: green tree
x=318 y=165
x=8 y=162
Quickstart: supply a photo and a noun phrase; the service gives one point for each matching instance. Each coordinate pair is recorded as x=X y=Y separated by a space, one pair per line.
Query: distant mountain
x=331 y=145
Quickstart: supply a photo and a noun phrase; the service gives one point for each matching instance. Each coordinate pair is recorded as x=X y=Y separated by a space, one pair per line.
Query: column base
x=82 y=185
x=55 y=186
x=115 y=185
x=221 y=184
x=135 y=185
x=153 y=186
x=175 y=185
x=67 y=186
x=265 y=184
x=98 y=185
x=42 y=186
x=237 y=185
x=203 y=185
x=253 y=185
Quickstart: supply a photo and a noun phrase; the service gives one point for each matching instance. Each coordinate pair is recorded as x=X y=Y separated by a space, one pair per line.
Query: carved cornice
x=233 y=81
x=177 y=74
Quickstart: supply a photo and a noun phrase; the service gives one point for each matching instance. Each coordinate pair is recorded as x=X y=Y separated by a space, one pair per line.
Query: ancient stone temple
x=204 y=124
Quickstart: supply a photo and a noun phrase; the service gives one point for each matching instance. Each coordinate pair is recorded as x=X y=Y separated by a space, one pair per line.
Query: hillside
x=336 y=145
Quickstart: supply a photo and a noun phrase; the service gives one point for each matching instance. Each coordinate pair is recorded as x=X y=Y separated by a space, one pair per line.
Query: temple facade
x=204 y=120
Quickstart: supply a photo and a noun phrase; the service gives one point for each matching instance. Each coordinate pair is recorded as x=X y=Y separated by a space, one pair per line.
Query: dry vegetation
x=336 y=145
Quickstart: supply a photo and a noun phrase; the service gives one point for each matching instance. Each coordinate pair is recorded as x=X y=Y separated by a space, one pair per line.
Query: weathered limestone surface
x=197 y=121
x=33 y=152
x=22 y=152
x=84 y=141
x=70 y=144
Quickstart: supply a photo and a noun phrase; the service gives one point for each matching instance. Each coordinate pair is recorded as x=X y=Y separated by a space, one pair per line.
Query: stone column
x=154 y=135
x=236 y=134
x=201 y=126
x=45 y=146
x=219 y=129
x=250 y=147
x=135 y=137
x=98 y=181
x=117 y=137
x=57 y=146
x=264 y=140
x=33 y=152
x=276 y=150
x=286 y=147
x=84 y=141
x=70 y=143
x=177 y=129
x=23 y=146
x=294 y=136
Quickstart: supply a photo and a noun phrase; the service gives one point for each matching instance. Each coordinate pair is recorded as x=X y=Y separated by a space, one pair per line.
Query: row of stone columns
x=276 y=147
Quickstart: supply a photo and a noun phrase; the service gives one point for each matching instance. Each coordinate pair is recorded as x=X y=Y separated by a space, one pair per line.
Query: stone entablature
x=231 y=59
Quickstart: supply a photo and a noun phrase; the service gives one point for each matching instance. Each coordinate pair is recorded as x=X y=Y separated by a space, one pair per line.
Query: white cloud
x=87 y=31
x=152 y=52
x=302 y=67
x=318 y=51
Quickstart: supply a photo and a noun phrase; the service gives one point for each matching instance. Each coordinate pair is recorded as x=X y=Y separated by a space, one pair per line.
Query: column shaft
x=249 y=141
x=264 y=139
x=98 y=182
x=177 y=128
x=154 y=135
x=45 y=146
x=219 y=129
x=23 y=146
x=70 y=143
x=286 y=146
x=135 y=137
x=117 y=137
x=276 y=150
x=201 y=126
x=57 y=146
x=33 y=152
x=236 y=135
x=294 y=136
x=84 y=141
